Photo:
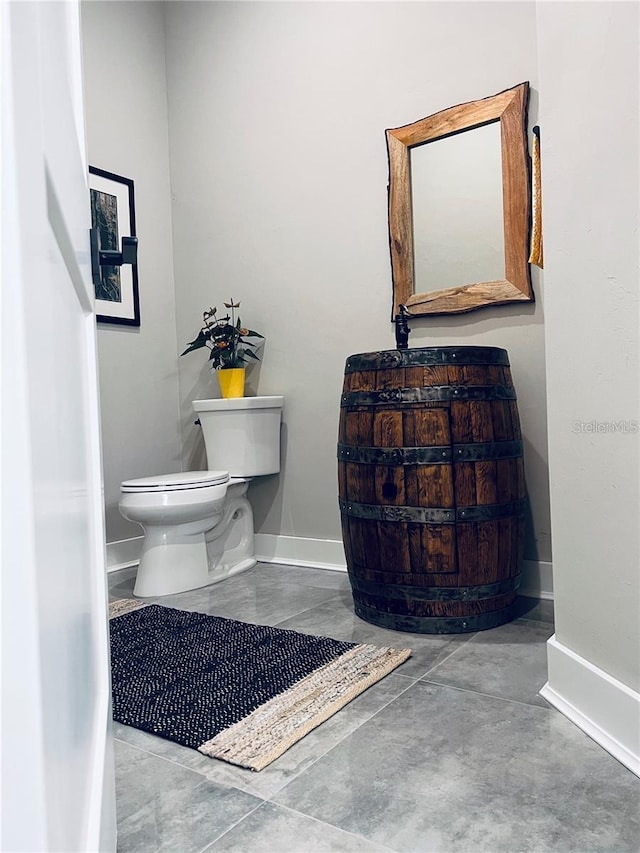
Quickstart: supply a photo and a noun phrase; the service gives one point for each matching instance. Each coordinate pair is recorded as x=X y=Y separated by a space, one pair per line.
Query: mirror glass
x=456 y=185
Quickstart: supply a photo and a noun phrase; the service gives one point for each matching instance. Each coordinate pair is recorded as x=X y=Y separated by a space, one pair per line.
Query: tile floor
x=454 y=752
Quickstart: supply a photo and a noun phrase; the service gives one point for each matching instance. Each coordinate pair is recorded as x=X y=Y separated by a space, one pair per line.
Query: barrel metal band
x=419 y=356
x=395 y=455
x=433 y=593
x=487 y=450
x=428 y=394
x=434 y=624
x=432 y=455
x=431 y=515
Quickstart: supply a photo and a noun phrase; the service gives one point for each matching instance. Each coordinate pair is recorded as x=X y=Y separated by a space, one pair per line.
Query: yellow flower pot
x=231 y=380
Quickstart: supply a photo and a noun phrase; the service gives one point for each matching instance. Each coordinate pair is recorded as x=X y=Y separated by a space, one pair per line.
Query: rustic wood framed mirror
x=476 y=200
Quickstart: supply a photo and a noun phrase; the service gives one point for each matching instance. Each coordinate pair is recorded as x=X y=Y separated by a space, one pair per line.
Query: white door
x=57 y=765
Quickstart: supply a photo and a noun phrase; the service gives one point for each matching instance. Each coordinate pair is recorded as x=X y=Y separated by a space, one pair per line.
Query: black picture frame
x=113 y=213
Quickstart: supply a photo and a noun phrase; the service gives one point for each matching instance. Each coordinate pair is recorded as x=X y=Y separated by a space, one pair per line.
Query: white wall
x=124 y=67
x=588 y=54
x=277 y=113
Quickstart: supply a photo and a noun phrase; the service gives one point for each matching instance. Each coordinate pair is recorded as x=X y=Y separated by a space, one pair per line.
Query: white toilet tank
x=242 y=434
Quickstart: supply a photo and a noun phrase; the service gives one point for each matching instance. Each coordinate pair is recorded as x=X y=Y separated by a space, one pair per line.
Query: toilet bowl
x=198 y=525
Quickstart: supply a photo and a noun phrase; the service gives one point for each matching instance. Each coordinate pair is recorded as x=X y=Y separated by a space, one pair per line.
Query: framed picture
x=113 y=215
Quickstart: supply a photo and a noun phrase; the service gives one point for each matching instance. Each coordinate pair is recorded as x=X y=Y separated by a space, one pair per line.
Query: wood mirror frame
x=510 y=109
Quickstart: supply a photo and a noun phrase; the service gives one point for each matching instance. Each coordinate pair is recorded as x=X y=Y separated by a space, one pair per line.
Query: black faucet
x=402 y=328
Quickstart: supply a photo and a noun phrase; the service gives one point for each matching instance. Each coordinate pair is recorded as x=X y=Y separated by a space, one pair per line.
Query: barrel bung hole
x=389 y=491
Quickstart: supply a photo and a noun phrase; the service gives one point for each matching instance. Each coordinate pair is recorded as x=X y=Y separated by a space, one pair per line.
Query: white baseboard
x=537 y=580
x=124 y=553
x=298 y=551
x=603 y=707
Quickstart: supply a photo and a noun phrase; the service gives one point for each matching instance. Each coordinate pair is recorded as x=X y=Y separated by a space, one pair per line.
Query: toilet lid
x=172 y=482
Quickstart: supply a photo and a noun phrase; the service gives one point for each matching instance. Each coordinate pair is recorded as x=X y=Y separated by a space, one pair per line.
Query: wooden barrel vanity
x=431 y=488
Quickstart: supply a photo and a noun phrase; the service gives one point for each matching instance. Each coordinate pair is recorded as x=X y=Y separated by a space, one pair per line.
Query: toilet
x=198 y=525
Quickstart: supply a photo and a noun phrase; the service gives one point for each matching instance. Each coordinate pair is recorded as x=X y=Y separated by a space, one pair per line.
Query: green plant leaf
x=199 y=342
x=250 y=354
x=254 y=334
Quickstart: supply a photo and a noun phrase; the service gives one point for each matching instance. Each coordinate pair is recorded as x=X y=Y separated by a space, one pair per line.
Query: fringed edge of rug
x=271 y=729
x=125 y=605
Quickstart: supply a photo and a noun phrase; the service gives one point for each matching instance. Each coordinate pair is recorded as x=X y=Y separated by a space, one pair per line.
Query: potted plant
x=230 y=349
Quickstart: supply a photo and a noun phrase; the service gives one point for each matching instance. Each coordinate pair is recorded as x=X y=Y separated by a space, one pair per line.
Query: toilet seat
x=184 y=480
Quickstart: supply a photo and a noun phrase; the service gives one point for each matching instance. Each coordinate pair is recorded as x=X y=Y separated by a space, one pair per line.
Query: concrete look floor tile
x=252 y=597
x=326 y=578
x=336 y=618
x=266 y=579
x=509 y=661
x=273 y=829
x=443 y=770
x=163 y=808
x=534 y=609
x=430 y=765
x=296 y=760
x=121 y=583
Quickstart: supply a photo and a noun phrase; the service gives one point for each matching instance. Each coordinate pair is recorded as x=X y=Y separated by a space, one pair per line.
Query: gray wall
x=126 y=107
x=277 y=114
x=589 y=91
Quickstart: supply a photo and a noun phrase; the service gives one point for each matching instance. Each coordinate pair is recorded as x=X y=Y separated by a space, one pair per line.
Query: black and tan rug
x=234 y=691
